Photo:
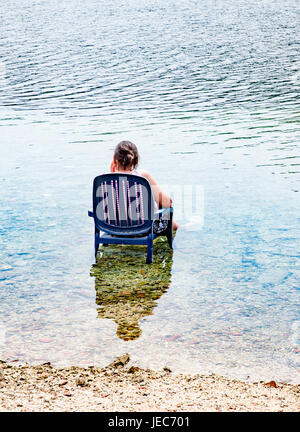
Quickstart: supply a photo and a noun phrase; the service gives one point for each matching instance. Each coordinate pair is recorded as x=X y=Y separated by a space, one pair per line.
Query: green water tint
x=127 y=289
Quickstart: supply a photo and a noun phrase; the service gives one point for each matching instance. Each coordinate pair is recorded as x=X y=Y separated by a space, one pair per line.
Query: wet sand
x=121 y=387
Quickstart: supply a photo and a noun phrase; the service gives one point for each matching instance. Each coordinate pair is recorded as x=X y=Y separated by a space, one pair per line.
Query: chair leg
x=170 y=239
x=96 y=243
x=149 y=250
x=170 y=232
x=96 y=250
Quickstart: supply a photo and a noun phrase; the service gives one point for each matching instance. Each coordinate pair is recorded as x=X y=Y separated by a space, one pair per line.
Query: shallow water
x=210 y=93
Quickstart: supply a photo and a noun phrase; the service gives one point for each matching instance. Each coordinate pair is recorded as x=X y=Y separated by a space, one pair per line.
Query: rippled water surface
x=209 y=91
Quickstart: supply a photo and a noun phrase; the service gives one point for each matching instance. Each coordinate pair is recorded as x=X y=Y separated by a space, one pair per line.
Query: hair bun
x=126 y=154
x=130 y=156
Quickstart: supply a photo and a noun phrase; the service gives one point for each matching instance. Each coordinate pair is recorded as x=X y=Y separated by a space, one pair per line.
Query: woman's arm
x=162 y=199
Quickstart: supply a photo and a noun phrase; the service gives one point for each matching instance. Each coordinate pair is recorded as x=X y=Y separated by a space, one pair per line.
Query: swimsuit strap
x=135 y=172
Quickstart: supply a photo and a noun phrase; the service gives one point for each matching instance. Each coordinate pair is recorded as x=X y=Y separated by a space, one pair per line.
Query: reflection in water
x=127 y=288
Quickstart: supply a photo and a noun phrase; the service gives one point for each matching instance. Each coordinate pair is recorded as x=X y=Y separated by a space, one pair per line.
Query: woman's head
x=126 y=155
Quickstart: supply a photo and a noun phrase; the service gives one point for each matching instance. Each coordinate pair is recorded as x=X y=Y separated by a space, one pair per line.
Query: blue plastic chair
x=124 y=212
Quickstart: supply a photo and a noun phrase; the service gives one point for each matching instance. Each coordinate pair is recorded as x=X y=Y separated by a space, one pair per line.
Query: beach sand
x=121 y=387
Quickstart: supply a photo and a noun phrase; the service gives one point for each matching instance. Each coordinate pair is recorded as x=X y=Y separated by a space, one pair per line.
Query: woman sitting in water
x=125 y=160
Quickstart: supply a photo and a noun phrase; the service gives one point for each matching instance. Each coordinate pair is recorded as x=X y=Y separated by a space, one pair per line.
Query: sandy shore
x=121 y=387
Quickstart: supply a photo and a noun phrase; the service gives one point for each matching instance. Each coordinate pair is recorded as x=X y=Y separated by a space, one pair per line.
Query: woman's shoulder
x=147 y=175
x=139 y=172
x=144 y=173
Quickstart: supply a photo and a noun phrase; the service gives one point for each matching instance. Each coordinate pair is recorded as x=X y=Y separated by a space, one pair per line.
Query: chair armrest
x=162 y=212
x=91 y=214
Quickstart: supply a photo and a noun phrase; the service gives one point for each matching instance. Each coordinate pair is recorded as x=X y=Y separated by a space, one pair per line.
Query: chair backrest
x=123 y=204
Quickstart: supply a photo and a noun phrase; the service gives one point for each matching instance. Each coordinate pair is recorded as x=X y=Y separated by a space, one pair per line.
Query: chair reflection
x=127 y=289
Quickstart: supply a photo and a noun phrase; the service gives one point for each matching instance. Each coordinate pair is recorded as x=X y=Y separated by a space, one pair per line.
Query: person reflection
x=127 y=288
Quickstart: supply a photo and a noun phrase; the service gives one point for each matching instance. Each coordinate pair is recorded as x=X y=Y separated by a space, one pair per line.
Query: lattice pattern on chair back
x=123 y=203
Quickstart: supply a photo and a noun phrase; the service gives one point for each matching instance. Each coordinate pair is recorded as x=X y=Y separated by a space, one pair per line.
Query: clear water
x=209 y=91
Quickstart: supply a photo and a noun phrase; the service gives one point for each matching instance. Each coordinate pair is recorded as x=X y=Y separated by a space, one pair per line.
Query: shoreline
x=120 y=387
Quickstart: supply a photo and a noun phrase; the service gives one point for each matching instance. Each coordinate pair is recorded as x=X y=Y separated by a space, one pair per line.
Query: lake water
x=209 y=91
